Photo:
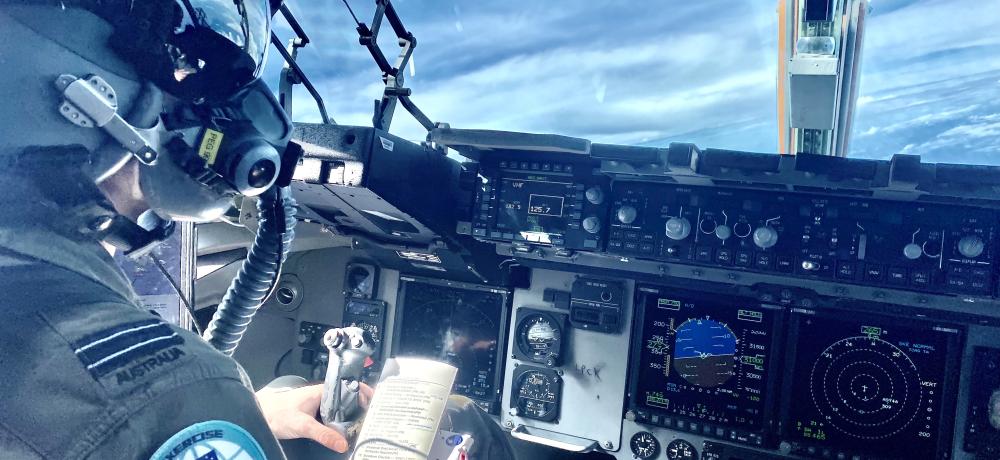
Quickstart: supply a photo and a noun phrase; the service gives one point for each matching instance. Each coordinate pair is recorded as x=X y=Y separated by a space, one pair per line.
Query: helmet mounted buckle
x=92 y=103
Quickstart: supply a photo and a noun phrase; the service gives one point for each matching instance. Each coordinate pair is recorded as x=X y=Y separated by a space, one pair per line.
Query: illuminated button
x=557 y=167
x=631 y=236
x=692 y=426
x=764 y=261
x=546 y=167
x=703 y=254
x=724 y=256
x=744 y=258
x=785 y=264
x=646 y=248
x=614 y=245
x=503 y=164
x=524 y=165
x=896 y=275
x=631 y=246
x=479 y=232
x=920 y=278
x=874 y=272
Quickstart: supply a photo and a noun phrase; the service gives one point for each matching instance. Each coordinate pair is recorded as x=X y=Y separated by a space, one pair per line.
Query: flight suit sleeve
x=214 y=419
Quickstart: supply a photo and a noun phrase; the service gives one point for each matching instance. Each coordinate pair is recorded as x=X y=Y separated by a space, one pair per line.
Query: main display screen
x=703 y=359
x=458 y=324
x=870 y=386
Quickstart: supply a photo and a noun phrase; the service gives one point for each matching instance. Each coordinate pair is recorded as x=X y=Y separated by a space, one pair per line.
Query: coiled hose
x=259 y=274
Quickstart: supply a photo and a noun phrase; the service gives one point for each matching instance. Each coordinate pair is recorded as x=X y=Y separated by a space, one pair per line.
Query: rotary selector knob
x=627 y=214
x=304 y=338
x=592 y=224
x=723 y=232
x=971 y=246
x=912 y=251
x=678 y=228
x=595 y=195
x=765 y=237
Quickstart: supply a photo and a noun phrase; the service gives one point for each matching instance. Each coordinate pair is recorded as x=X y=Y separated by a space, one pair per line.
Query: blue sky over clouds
x=655 y=72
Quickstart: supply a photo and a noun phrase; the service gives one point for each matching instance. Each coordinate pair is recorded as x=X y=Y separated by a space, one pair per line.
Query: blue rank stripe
x=112 y=348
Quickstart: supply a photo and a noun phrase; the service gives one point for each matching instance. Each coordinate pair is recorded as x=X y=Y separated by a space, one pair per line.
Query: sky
x=655 y=72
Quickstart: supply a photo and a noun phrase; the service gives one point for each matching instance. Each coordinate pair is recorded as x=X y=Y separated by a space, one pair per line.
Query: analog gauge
x=537 y=393
x=644 y=445
x=680 y=449
x=539 y=336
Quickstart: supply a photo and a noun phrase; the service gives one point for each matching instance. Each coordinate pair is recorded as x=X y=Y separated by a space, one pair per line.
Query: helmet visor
x=216 y=48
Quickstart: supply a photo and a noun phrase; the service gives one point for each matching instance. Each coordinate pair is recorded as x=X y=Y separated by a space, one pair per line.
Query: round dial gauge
x=540 y=338
x=680 y=449
x=537 y=393
x=644 y=445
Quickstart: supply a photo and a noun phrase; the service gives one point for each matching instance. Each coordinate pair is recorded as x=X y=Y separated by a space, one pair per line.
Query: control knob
x=595 y=195
x=912 y=251
x=723 y=232
x=626 y=214
x=971 y=246
x=304 y=338
x=765 y=237
x=678 y=228
x=592 y=224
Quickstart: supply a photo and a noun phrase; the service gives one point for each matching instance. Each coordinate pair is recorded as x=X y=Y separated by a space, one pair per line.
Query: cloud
x=657 y=72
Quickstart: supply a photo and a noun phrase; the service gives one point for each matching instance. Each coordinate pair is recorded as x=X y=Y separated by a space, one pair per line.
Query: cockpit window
x=651 y=73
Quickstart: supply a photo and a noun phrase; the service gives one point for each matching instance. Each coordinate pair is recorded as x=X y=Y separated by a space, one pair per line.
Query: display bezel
x=950 y=378
x=492 y=406
x=768 y=426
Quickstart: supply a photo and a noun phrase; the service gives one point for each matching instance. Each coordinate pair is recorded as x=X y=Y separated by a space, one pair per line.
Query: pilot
x=86 y=373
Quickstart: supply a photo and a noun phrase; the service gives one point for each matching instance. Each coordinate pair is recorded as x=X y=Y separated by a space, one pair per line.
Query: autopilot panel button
x=764 y=261
x=785 y=264
x=724 y=256
x=703 y=254
x=874 y=272
x=920 y=277
x=896 y=275
x=744 y=258
x=845 y=270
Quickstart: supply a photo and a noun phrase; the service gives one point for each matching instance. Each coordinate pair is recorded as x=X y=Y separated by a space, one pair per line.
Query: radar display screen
x=869 y=386
x=457 y=323
x=704 y=359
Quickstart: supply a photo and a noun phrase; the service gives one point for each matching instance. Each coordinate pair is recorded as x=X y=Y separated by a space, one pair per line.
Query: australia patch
x=212 y=440
x=129 y=350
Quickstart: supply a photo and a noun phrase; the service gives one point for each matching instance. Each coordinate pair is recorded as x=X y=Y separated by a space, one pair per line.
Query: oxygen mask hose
x=258 y=276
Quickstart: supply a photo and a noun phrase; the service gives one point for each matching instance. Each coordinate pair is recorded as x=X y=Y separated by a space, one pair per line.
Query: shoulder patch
x=111 y=349
x=212 y=440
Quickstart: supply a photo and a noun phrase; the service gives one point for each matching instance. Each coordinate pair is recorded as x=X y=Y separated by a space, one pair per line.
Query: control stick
x=340 y=407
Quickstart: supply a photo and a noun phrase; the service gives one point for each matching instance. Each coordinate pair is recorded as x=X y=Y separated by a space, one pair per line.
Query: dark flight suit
x=85 y=373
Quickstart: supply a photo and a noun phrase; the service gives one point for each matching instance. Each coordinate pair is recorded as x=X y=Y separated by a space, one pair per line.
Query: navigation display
x=869 y=386
x=704 y=359
x=457 y=323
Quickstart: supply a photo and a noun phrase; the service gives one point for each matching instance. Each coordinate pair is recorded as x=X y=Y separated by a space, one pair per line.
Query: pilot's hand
x=291 y=414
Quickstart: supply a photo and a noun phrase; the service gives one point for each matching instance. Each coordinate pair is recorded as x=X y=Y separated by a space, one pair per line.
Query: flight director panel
x=853 y=315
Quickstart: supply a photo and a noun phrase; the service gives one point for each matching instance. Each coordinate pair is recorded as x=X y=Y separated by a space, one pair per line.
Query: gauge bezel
x=694 y=450
x=515 y=390
x=657 y=445
x=522 y=349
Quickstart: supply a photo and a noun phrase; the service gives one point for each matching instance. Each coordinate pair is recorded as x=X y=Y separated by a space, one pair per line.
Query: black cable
x=391 y=443
x=356 y=21
x=177 y=289
x=277 y=365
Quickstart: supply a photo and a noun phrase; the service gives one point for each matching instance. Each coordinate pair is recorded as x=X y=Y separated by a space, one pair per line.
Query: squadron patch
x=131 y=350
x=212 y=440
